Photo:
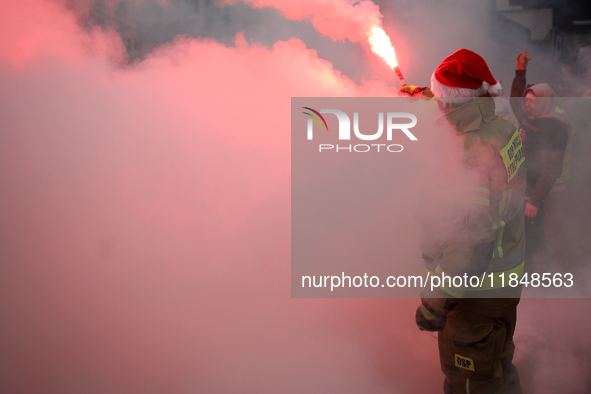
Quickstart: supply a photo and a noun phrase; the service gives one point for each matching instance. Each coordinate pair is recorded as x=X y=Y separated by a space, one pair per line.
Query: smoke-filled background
x=145 y=199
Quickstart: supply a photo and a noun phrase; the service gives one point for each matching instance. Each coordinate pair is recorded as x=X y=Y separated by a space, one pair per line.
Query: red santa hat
x=464 y=74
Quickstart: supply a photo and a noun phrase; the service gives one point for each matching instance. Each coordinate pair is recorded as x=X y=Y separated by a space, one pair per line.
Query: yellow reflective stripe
x=500 y=226
x=501 y=278
x=500 y=239
x=494 y=226
x=508 y=199
x=451 y=293
x=505 y=199
x=428 y=315
x=442 y=287
x=483 y=201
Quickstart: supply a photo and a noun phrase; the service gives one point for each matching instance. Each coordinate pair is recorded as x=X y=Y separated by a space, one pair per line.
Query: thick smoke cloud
x=337 y=19
x=147 y=24
x=145 y=222
x=145 y=227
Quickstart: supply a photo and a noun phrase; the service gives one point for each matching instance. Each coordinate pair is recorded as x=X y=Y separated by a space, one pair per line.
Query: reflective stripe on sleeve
x=496 y=276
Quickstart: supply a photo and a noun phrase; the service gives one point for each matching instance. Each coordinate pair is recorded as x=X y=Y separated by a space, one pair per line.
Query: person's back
x=485 y=238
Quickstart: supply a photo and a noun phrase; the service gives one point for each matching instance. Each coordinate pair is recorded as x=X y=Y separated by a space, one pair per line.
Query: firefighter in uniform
x=475 y=231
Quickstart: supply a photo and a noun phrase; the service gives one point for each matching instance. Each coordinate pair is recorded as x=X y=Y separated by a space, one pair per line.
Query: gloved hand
x=429 y=320
x=416 y=91
x=522 y=60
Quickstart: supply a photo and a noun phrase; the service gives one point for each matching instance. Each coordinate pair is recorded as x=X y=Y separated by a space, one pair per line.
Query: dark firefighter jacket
x=481 y=229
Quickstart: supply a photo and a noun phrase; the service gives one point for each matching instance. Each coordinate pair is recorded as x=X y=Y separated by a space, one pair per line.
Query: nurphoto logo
x=344 y=132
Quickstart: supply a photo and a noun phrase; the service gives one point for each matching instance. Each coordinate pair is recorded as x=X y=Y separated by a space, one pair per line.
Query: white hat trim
x=460 y=96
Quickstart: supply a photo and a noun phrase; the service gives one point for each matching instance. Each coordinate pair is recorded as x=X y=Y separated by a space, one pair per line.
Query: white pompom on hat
x=464 y=74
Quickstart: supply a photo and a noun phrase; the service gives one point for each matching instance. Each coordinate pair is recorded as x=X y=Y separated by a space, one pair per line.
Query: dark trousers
x=476 y=347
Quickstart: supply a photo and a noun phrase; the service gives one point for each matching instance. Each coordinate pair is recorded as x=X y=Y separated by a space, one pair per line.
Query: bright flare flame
x=381 y=45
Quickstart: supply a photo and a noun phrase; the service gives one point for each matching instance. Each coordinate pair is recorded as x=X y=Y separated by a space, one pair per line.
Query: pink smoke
x=359 y=22
x=337 y=19
x=145 y=223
